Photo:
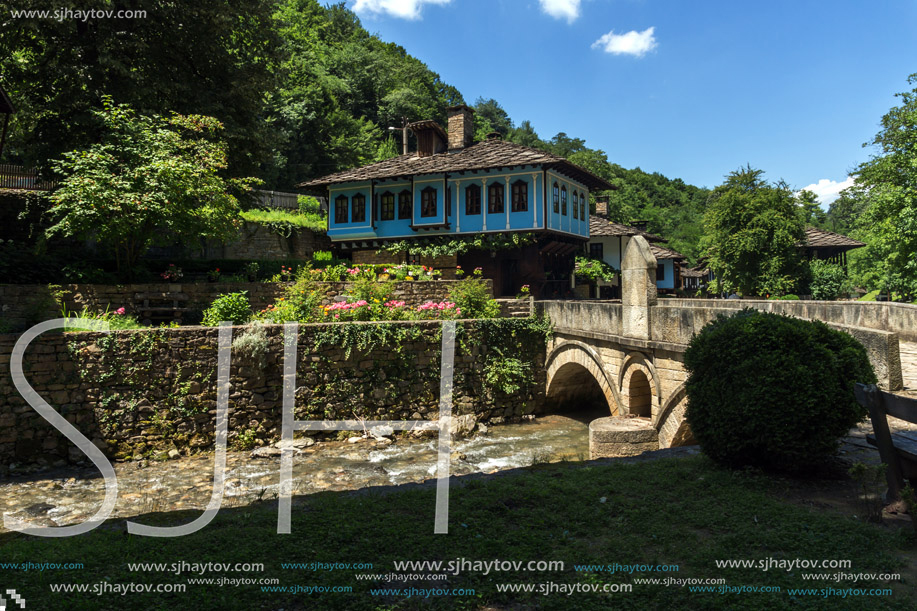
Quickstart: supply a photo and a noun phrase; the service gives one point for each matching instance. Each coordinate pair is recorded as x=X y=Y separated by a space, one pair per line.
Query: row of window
x=495 y=203
x=560 y=202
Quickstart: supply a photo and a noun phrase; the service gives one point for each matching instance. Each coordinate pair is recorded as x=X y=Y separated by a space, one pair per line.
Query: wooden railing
x=19 y=177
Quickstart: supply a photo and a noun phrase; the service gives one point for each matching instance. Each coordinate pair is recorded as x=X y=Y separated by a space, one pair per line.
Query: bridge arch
x=671 y=422
x=572 y=368
x=639 y=386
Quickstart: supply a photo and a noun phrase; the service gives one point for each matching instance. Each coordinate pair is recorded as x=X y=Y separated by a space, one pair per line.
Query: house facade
x=608 y=241
x=452 y=188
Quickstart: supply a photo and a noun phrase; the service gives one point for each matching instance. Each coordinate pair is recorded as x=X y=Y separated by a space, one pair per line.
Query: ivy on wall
x=438 y=247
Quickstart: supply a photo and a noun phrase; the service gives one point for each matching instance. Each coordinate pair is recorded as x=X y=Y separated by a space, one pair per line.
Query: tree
x=213 y=58
x=828 y=280
x=889 y=222
x=149 y=178
x=812 y=212
x=490 y=113
x=751 y=229
x=844 y=212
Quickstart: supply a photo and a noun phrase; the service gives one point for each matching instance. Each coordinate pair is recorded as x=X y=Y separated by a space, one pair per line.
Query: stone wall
x=261 y=242
x=22 y=305
x=900 y=318
x=142 y=393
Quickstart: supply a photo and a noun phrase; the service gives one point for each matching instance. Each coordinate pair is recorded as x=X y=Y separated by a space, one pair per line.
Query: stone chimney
x=601 y=207
x=461 y=127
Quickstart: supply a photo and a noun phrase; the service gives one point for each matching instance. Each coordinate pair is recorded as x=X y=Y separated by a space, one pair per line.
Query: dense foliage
x=751 y=229
x=885 y=197
x=231 y=307
x=827 y=280
x=772 y=391
x=148 y=178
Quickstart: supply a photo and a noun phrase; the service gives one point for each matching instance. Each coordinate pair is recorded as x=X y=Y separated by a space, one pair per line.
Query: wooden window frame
x=563 y=200
x=520 y=196
x=358 y=203
x=405 y=206
x=575 y=205
x=387 y=206
x=496 y=205
x=428 y=205
x=582 y=207
x=597 y=250
x=341 y=210
x=556 y=193
x=472 y=200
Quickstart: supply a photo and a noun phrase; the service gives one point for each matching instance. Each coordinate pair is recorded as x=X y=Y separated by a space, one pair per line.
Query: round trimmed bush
x=773 y=391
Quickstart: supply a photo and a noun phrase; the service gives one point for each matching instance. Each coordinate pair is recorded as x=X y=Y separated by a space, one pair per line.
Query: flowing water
x=68 y=496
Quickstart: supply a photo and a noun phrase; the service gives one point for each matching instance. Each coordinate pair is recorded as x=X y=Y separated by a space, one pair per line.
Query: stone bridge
x=631 y=356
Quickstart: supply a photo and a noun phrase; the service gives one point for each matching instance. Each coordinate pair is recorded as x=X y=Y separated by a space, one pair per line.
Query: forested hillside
x=303 y=90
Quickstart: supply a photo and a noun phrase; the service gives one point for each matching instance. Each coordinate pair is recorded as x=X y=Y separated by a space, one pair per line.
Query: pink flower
x=119 y=311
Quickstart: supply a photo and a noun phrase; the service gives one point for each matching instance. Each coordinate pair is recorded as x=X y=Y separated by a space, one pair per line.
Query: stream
x=73 y=494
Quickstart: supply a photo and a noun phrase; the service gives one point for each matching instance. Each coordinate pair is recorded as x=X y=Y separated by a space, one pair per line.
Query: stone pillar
x=638 y=288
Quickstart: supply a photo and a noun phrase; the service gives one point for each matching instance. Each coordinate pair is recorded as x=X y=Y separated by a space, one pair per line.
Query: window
x=575 y=205
x=472 y=200
x=556 y=199
x=340 y=210
x=520 y=202
x=495 y=198
x=404 y=205
x=660 y=271
x=413 y=259
x=563 y=201
x=387 y=207
x=428 y=202
x=596 y=250
x=358 y=203
x=448 y=202
x=582 y=207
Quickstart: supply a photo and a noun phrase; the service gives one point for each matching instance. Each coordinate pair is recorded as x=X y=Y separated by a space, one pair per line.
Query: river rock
x=462 y=426
x=295 y=444
x=380 y=432
x=265 y=452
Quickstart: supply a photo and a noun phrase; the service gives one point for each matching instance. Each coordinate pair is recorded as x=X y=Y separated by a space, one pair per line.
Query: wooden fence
x=19 y=177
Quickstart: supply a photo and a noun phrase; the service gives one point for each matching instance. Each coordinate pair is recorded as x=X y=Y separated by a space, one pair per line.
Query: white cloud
x=405 y=9
x=828 y=190
x=561 y=9
x=633 y=43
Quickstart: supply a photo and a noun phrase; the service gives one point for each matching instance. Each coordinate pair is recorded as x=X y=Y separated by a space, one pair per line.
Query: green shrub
x=828 y=280
x=253 y=344
x=233 y=307
x=473 y=298
x=300 y=303
x=772 y=391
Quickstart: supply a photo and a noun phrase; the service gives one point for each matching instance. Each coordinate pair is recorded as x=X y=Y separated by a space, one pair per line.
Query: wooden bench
x=897 y=450
x=161 y=307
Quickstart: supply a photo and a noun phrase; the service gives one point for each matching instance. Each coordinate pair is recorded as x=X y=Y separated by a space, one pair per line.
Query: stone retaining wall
x=145 y=392
x=23 y=305
x=900 y=318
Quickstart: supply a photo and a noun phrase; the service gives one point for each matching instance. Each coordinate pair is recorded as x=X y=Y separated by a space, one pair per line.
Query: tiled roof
x=661 y=252
x=480 y=156
x=599 y=226
x=821 y=238
x=687 y=272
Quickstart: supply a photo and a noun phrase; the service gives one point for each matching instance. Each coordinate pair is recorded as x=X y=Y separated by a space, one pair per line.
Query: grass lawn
x=311 y=221
x=686 y=512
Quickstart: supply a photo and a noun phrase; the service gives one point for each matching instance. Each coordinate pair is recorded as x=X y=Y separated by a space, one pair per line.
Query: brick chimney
x=461 y=127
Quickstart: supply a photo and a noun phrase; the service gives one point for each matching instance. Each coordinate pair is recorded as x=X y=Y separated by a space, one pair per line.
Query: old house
x=453 y=188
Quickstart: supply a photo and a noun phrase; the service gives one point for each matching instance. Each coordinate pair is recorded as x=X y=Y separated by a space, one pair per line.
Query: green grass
x=687 y=512
x=310 y=221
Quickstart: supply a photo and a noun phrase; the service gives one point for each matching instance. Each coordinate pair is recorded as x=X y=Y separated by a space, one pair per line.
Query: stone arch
x=572 y=359
x=671 y=423
x=633 y=390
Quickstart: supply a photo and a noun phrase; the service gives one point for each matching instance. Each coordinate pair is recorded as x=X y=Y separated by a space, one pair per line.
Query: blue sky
x=691 y=89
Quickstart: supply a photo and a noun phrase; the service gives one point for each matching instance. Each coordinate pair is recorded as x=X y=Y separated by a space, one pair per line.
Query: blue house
x=608 y=241
x=452 y=187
